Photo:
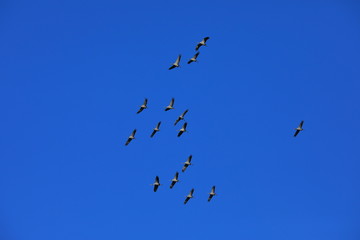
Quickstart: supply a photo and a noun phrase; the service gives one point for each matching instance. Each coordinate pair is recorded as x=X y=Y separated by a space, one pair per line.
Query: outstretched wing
x=184 y=168
x=156 y=187
x=177 y=120
x=301 y=124
x=180 y=133
x=157 y=180
x=184 y=126
x=183 y=114
x=186 y=200
x=205 y=39
x=210 y=197
x=158 y=125
x=296 y=133
x=173 y=66
x=190 y=61
x=197 y=46
x=145 y=101
x=191 y=192
x=172 y=102
x=213 y=189
x=172 y=184
x=176 y=175
x=153 y=133
x=178 y=60
x=196 y=55
x=133 y=133
x=128 y=141
x=140 y=110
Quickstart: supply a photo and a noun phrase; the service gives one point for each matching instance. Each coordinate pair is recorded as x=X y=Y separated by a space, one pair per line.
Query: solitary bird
x=174 y=180
x=156 y=129
x=181 y=117
x=194 y=58
x=212 y=193
x=299 y=128
x=176 y=63
x=202 y=43
x=142 y=107
x=190 y=195
x=182 y=130
x=156 y=184
x=187 y=163
x=131 y=137
x=171 y=105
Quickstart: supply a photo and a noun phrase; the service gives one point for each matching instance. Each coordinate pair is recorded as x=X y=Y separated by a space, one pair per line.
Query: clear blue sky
x=73 y=74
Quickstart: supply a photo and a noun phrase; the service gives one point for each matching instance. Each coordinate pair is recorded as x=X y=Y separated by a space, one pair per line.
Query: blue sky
x=73 y=74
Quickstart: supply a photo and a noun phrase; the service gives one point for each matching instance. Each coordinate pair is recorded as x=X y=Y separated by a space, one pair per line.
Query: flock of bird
x=156 y=184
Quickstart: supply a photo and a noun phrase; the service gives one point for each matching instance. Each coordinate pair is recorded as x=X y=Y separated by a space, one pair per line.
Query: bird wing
x=197 y=46
x=156 y=187
x=173 y=66
x=172 y=102
x=186 y=200
x=205 y=39
x=145 y=101
x=177 y=120
x=133 y=133
x=301 y=124
x=189 y=158
x=178 y=60
x=179 y=134
x=190 y=61
x=128 y=141
x=176 y=175
x=213 y=189
x=184 y=168
x=172 y=184
x=158 y=125
x=140 y=110
x=157 y=180
x=210 y=197
x=191 y=192
x=196 y=55
x=153 y=133
x=183 y=114
x=296 y=133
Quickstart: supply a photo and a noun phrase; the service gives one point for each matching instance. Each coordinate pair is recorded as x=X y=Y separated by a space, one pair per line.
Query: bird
x=171 y=105
x=156 y=184
x=202 y=43
x=190 y=195
x=181 y=117
x=299 y=128
x=174 y=180
x=193 y=59
x=182 y=130
x=142 y=107
x=156 y=129
x=187 y=163
x=176 y=63
x=212 y=193
x=131 y=137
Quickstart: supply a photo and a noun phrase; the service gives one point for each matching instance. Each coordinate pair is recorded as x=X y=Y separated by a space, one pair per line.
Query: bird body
x=176 y=63
x=189 y=196
x=156 y=184
x=299 y=128
x=171 y=105
x=212 y=193
x=131 y=137
x=181 y=117
x=187 y=163
x=156 y=129
x=142 y=107
x=194 y=58
x=174 y=180
x=202 y=43
x=182 y=130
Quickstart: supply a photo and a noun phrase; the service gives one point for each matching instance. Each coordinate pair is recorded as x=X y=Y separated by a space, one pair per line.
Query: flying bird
x=299 y=128
x=131 y=137
x=194 y=58
x=156 y=184
x=174 y=180
x=202 y=43
x=156 y=129
x=142 y=107
x=181 y=117
x=212 y=193
x=176 y=63
x=190 y=195
x=182 y=130
x=187 y=163
x=171 y=105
